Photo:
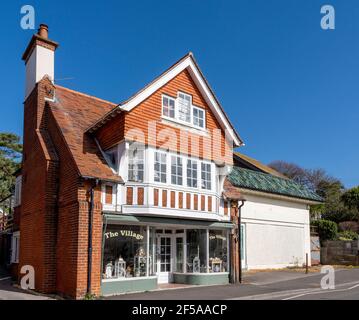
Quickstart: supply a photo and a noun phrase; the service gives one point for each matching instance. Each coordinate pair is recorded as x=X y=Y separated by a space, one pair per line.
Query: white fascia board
x=200 y=82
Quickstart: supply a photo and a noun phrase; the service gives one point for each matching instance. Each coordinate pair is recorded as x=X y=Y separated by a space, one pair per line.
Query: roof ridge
x=85 y=95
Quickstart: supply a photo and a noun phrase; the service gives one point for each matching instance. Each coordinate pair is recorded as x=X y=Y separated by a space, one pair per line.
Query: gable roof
x=187 y=62
x=256 y=165
x=74 y=112
x=253 y=180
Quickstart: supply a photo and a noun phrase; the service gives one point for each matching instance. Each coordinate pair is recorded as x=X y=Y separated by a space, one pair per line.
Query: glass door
x=164 y=258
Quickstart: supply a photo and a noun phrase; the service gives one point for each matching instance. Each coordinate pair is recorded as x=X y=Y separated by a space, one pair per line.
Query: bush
x=328 y=230
x=348 y=236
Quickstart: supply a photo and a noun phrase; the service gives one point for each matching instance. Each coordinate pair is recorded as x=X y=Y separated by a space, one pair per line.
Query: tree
x=329 y=188
x=351 y=198
x=10 y=156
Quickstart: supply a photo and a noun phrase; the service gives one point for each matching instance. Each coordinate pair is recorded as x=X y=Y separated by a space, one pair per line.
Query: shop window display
x=218 y=251
x=196 y=251
x=125 y=252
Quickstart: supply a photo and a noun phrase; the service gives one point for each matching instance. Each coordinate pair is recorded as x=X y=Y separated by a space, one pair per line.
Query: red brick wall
x=38 y=218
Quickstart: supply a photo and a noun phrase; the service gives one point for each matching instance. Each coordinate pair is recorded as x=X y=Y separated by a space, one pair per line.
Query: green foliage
x=348 y=235
x=339 y=205
x=351 y=198
x=328 y=230
x=89 y=296
x=10 y=155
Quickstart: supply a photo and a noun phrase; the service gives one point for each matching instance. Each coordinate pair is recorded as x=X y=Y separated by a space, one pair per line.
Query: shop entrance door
x=164 y=258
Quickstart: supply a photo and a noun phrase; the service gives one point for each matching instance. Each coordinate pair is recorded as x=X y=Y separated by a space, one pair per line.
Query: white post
x=148 y=251
x=185 y=251
x=207 y=252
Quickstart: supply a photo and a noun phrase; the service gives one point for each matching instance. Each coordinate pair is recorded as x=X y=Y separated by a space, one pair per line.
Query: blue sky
x=289 y=87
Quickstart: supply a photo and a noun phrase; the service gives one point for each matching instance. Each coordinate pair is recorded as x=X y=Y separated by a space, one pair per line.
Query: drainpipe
x=90 y=215
x=239 y=240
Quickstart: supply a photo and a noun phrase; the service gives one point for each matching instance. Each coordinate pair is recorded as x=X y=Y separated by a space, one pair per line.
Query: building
x=123 y=197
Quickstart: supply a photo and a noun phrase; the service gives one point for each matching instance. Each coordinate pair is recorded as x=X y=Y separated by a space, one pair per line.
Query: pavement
x=268 y=285
x=10 y=292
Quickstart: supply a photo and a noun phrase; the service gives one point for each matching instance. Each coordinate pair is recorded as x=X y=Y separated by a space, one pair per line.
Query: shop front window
x=125 y=252
x=218 y=251
x=196 y=251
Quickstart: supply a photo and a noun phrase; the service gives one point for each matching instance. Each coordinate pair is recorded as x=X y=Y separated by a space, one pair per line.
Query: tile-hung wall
x=159 y=181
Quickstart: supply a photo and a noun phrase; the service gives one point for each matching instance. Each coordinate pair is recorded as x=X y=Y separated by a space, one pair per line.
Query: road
x=273 y=285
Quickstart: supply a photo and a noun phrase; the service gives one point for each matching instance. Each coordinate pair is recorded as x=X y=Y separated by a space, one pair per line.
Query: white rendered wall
x=277 y=233
x=40 y=63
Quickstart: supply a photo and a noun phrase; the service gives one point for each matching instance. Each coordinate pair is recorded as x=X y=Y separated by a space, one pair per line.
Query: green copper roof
x=249 y=179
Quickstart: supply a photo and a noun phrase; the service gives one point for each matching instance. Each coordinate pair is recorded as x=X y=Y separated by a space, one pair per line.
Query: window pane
x=168 y=107
x=218 y=251
x=125 y=252
x=206 y=176
x=184 y=107
x=176 y=170
x=196 y=251
x=160 y=167
x=136 y=164
x=192 y=173
x=198 y=117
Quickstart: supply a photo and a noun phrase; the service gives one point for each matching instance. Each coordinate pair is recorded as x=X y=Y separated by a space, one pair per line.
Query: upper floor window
x=206 y=176
x=135 y=164
x=182 y=110
x=198 y=117
x=184 y=107
x=176 y=170
x=160 y=167
x=168 y=107
x=192 y=173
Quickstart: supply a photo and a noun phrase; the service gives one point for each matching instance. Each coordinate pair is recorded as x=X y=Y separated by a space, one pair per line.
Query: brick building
x=123 y=197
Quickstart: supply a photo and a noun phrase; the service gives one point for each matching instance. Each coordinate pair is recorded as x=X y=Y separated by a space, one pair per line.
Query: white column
x=148 y=251
x=207 y=247
x=185 y=251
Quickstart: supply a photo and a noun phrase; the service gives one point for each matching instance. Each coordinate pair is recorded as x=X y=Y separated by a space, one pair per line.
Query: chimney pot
x=43 y=31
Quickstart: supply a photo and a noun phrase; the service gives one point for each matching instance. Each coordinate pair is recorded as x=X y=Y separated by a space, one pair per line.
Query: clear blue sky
x=290 y=88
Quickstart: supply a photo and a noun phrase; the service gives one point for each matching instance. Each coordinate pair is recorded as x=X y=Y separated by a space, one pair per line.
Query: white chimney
x=39 y=59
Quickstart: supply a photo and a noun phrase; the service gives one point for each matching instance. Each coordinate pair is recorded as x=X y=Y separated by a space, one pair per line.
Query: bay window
x=192 y=173
x=176 y=170
x=206 y=176
x=218 y=251
x=160 y=167
x=136 y=163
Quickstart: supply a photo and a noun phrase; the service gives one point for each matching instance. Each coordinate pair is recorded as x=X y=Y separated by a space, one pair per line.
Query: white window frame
x=136 y=161
x=165 y=96
x=176 y=111
x=186 y=95
x=176 y=175
x=15 y=247
x=114 y=193
x=191 y=178
x=160 y=153
x=207 y=181
x=204 y=117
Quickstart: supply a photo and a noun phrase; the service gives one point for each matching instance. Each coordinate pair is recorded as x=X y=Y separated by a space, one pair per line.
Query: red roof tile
x=74 y=112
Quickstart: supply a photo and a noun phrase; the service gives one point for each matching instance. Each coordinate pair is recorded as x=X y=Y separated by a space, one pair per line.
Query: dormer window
x=182 y=110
